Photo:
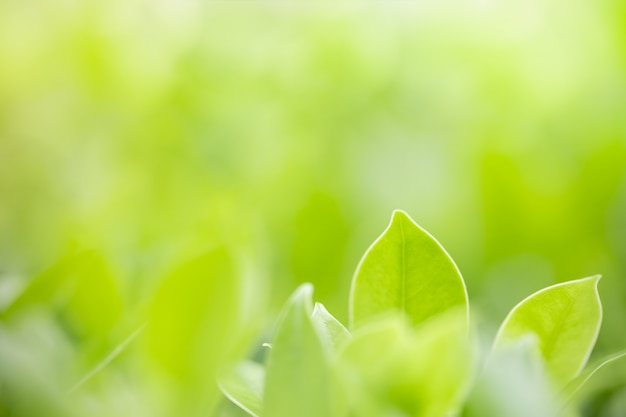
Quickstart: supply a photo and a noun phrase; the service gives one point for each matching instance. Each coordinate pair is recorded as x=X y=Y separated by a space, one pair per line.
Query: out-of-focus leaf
x=566 y=320
x=36 y=367
x=193 y=326
x=321 y=236
x=513 y=383
x=577 y=388
x=243 y=385
x=299 y=382
x=332 y=333
x=419 y=372
x=365 y=363
x=108 y=359
x=82 y=288
x=406 y=269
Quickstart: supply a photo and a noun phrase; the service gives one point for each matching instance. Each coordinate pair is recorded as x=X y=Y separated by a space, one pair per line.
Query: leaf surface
x=565 y=318
x=243 y=385
x=513 y=383
x=333 y=334
x=298 y=380
x=406 y=269
x=577 y=387
x=184 y=337
x=82 y=288
x=419 y=372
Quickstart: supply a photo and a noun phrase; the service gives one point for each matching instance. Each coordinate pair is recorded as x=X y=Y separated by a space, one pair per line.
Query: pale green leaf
x=406 y=269
x=565 y=319
x=422 y=372
x=243 y=385
x=366 y=363
x=82 y=288
x=333 y=334
x=183 y=336
x=298 y=379
x=108 y=359
x=513 y=383
x=577 y=387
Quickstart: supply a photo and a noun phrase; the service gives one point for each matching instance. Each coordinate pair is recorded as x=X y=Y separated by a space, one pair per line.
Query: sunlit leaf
x=108 y=359
x=82 y=288
x=184 y=336
x=406 y=269
x=565 y=318
x=243 y=385
x=418 y=372
x=332 y=333
x=577 y=387
x=298 y=379
x=513 y=383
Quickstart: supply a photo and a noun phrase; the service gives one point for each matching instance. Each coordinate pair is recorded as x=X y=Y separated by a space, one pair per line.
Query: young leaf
x=243 y=385
x=108 y=359
x=575 y=387
x=298 y=380
x=331 y=331
x=82 y=288
x=406 y=269
x=365 y=362
x=433 y=372
x=183 y=336
x=416 y=372
x=565 y=318
x=513 y=383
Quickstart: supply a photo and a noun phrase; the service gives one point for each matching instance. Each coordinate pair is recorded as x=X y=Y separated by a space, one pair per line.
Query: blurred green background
x=173 y=169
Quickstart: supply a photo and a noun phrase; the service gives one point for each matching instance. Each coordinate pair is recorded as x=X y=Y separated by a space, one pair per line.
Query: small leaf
x=333 y=334
x=365 y=362
x=183 y=336
x=243 y=385
x=565 y=318
x=82 y=288
x=513 y=383
x=298 y=380
x=578 y=385
x=416 y=372
x=108 y=359
x=406 y=269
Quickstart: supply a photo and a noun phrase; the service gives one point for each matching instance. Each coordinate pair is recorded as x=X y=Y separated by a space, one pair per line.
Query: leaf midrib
x=402 y=269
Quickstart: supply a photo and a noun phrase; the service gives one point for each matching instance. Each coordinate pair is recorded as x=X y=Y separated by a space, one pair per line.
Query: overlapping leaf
x=406 y=269
x=565 y=318
x=299 y=381
x=419 y=372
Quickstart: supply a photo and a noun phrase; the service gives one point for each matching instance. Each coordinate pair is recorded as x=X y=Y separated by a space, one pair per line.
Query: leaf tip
x=401 y=216
x=319 y=308
x=303 y=291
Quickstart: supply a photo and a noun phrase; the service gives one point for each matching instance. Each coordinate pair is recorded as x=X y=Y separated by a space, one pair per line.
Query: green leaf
x=333 y=334
x=415 y=372
x=513 y=383
x=575 y=389
x=565 y=318
x=365 y=362
x=406 y=269
x=184 y=337
x=298 y=379
x=108 y=359
x=82 y=288
x=243 y=385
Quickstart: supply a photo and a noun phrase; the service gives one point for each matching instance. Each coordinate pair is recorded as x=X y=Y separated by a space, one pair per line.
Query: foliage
x=410 y=351
x=139 y=136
